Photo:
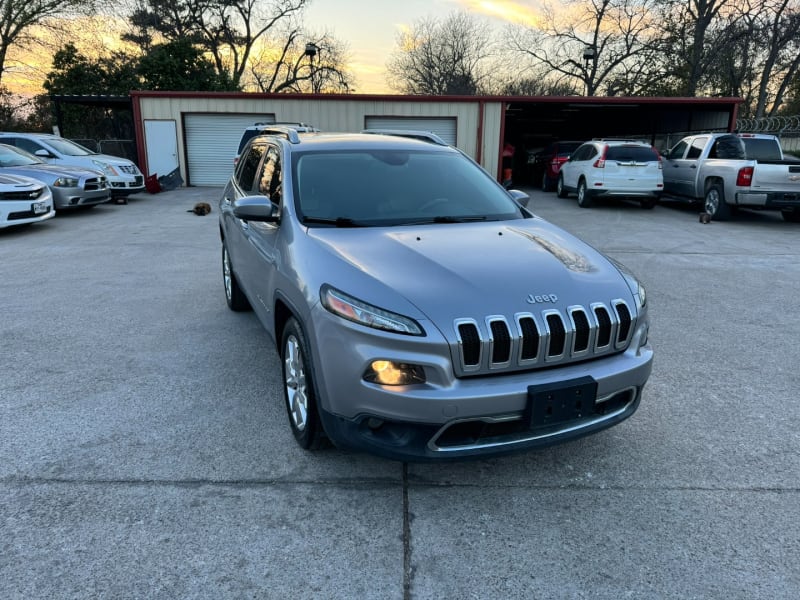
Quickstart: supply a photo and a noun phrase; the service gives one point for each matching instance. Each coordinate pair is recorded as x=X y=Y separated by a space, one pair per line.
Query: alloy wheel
x=295 y=382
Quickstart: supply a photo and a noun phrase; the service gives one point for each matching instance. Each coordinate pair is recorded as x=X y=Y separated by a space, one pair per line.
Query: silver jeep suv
x=419 y=310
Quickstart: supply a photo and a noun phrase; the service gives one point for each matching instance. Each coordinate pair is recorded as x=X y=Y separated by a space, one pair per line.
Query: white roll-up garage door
x=211 y=144
x=444 y=127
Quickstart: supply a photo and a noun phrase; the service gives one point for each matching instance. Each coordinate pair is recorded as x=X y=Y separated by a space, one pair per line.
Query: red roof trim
x=604 y=100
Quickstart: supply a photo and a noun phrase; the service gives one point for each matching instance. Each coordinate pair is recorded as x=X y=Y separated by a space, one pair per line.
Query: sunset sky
x=369 y=28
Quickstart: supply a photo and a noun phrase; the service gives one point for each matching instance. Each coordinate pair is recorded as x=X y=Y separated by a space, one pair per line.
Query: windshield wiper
x=337 y=222
x=447 y=219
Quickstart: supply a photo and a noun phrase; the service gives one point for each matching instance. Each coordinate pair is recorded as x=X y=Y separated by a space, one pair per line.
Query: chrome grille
x=131 y=169
x=533 y=340
x=95 y=183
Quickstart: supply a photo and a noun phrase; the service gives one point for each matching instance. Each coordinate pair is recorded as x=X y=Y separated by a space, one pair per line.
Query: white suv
x=622 y=168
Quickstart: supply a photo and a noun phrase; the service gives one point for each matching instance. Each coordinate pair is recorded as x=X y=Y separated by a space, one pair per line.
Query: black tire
x=299 y=389
x=561 y=191
x=649 y=203
x=584 y=195
x=234 y=295
x=547 y=183
x=791 y=216
x=714 y=203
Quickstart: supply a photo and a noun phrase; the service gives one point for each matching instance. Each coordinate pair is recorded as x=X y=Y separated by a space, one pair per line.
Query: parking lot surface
x=144 y=449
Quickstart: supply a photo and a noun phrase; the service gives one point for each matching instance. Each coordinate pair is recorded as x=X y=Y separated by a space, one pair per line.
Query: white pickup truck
x=727 y=171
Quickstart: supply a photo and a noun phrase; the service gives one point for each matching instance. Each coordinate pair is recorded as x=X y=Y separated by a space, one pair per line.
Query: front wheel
x=714 y=203
x=298 y=388
x=234 y=295
x=547 y=183
x=584 y=195
x=561 y=191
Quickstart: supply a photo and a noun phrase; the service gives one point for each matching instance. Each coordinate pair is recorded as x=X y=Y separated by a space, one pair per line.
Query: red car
x=548 y=163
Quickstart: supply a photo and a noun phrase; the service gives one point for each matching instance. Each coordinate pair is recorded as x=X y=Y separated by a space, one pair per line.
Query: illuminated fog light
x=386 y=372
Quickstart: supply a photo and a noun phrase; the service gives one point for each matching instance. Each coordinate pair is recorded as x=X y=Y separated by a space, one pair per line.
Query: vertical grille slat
x=583 y=331
x=604 y=326
x=558 y=335
x=501 y=342
x=624 y=315
x=470 y=344
x=530 y=338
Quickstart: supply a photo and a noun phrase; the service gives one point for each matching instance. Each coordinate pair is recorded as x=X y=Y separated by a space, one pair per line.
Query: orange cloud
x=513 y=11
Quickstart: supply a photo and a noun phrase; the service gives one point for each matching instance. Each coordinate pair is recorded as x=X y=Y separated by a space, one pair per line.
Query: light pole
x=588 y=57
x=311 y=51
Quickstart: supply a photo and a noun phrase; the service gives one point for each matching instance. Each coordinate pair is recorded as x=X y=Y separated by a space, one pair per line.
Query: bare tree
x=452 y=56
x=688 y=26
x=303 y=64
x=599 y=43
x=17 y=17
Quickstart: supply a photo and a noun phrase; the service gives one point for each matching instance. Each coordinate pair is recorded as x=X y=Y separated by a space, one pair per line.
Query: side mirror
x=256 y=208
x=43 y=153
x=520 y=197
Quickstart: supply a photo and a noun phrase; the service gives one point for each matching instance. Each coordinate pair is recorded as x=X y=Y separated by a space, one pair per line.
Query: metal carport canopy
x=579 y=117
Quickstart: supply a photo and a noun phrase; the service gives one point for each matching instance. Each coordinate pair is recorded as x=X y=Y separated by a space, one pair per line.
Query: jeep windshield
x=382 y=188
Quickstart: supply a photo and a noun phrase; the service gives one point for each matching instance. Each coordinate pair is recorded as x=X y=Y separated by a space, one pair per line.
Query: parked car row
x=722 y=172
x=42 y=173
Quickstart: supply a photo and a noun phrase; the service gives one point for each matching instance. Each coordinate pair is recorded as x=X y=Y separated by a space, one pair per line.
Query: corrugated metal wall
x=334 y=115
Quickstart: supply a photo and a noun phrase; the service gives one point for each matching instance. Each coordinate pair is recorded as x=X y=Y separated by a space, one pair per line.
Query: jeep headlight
x=105 y=168
x=636 y=287
x=360 y=312
x=65 y=182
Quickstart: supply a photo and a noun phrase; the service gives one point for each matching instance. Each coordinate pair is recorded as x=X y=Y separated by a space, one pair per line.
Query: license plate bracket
x=554 y=403
x=38 y=208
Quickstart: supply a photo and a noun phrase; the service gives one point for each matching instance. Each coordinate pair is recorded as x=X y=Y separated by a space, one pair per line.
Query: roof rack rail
x=290 y=133
x=425 y=136
x=289 y=123
x=619 y=140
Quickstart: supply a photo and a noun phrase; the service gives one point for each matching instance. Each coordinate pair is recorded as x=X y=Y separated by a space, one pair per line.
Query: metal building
x=198 y=132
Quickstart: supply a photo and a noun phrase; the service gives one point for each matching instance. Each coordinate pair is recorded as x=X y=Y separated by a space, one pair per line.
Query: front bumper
x=449 y=417
x=72 y=197
x=125 y=186
x=19 y=212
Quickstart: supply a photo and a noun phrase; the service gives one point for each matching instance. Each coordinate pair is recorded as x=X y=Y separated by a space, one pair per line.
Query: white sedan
x=24 y=200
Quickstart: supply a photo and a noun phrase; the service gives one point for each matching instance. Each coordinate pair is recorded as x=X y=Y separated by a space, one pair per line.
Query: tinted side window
x=25 y=144
x=582 y=153
x=677 y=150
x=727 y=146
x=248 y=167
x=696 y=148
x=269 y=183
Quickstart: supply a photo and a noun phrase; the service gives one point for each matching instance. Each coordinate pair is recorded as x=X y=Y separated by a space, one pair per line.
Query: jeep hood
x=478 y=269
